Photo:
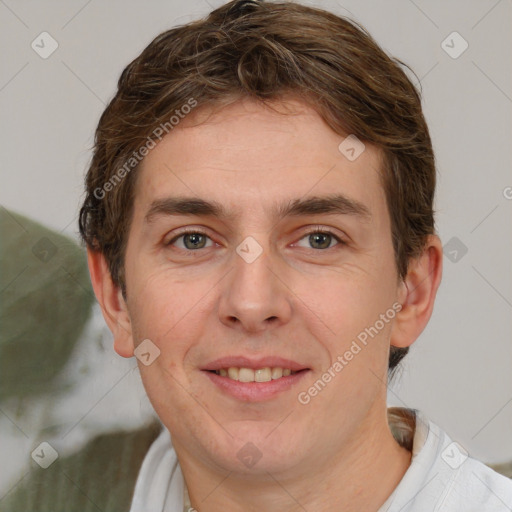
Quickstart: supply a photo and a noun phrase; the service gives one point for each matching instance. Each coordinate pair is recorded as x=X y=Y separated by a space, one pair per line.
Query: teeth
x=263 y=375
x=277 y=373
x=233 y=373
x=246 y=375
x=249 y=375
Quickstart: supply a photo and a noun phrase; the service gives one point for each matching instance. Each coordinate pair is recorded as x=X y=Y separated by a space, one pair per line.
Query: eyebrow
x=316 y=205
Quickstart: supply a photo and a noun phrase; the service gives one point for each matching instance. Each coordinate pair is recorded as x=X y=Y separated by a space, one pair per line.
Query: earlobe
x=112 y=303
x=417 y=294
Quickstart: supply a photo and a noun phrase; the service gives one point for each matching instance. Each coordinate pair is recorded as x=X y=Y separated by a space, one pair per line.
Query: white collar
x=160 y=484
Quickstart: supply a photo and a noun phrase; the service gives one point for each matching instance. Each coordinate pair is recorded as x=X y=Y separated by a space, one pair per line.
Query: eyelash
x=316 y=230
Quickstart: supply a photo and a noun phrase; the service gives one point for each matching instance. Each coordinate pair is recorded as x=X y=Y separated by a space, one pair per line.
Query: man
x=261 y=236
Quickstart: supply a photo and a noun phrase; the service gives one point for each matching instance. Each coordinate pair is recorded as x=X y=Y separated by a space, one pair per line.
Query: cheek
x=354 y=377
x=168 y=313
x=344 y=313
x=340 y=303
x=164 y=310
x=158 y=293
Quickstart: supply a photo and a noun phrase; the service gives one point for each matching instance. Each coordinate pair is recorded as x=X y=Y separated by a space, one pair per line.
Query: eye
x=191 y=240
x=321 y=239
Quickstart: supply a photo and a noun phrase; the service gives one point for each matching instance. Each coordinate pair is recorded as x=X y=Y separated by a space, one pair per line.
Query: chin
x=260 y=450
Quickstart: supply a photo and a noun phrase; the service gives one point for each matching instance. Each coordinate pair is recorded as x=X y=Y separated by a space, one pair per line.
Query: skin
x=296 y=300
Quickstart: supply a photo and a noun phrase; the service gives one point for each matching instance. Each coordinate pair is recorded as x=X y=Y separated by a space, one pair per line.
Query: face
x=286 y=263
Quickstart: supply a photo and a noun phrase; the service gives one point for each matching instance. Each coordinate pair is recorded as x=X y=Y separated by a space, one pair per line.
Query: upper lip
x=246 y=362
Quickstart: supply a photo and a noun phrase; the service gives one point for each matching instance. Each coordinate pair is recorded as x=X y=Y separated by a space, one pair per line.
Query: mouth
x=254 y=380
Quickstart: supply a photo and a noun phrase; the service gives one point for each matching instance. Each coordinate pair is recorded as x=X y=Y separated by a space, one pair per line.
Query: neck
x=365 y=472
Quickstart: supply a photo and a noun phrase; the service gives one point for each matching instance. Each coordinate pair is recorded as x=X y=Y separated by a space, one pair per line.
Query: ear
x=417 y=294
x=113 y=305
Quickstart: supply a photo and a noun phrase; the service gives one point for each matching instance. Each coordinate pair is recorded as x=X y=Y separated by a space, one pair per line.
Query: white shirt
x=441 y=477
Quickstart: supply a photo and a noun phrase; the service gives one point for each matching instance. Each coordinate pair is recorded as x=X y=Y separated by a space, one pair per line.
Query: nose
x=254 y=297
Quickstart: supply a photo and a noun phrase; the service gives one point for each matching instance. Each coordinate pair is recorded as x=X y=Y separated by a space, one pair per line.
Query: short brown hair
x=265 y=51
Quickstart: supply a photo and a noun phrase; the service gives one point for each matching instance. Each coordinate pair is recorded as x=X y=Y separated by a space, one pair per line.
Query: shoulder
x=476 y=487
x=442 y=477
x=467 y=483
x=458 y=481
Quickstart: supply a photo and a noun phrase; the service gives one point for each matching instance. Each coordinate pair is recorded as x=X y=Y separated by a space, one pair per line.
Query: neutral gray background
x=459 y=371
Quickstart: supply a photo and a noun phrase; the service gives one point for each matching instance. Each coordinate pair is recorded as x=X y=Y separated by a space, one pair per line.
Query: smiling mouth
x=265 y=374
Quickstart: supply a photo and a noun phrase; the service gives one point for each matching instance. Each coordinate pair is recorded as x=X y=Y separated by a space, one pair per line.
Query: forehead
x=249 y=157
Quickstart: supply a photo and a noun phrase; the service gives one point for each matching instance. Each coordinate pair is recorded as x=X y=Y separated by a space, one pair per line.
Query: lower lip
x=255 y=391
